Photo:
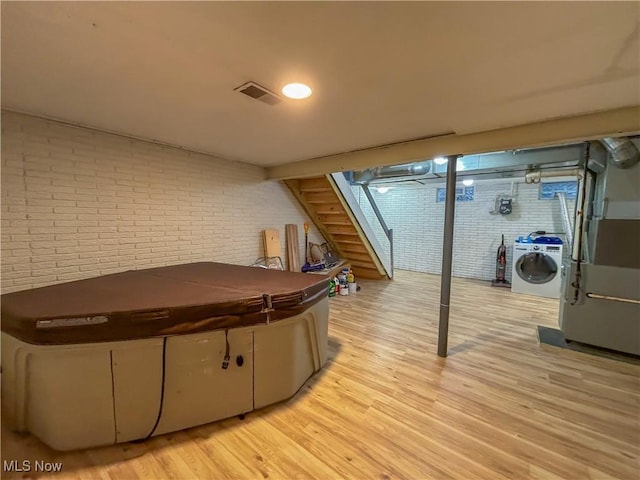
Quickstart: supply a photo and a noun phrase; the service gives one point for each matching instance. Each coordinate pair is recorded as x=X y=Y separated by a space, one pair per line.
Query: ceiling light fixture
x=296 y=90
x=383 y=189
x=467 y=182
x=440 y=160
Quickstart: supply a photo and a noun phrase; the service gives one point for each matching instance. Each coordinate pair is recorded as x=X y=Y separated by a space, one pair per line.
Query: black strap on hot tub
x=164 y=368
x=227 y=357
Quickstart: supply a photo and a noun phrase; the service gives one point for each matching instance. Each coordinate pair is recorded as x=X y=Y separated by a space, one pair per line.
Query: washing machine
x=536 y=267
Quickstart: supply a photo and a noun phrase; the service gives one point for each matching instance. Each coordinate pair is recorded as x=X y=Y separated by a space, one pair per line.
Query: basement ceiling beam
x=619 y=122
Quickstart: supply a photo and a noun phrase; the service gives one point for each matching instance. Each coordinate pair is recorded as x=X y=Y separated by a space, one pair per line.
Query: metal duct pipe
x=566 y=219
x=624 y=153
x=393 y=171
x=598 y=158
x=535 y=177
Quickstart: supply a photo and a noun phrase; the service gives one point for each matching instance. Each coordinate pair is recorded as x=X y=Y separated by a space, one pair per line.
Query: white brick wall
x=418 y=223
x=77 y=203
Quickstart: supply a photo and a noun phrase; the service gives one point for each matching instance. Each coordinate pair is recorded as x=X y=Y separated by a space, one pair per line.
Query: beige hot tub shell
x=85 y=395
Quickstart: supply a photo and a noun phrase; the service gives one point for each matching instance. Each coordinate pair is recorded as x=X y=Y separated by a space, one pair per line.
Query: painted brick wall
x=418 y=222
x=77 y=203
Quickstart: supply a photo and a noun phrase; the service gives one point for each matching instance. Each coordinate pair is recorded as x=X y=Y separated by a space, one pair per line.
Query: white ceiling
x=382 y=72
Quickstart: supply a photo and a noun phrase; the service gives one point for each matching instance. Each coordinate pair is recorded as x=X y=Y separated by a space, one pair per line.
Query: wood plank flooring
x=385 y=406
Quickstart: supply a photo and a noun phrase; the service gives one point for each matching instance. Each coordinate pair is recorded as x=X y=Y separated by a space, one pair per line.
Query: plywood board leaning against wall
x=293 y=248
x=272 y=246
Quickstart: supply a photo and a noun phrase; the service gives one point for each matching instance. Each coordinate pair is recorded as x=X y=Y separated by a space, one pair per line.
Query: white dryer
x=536 y=269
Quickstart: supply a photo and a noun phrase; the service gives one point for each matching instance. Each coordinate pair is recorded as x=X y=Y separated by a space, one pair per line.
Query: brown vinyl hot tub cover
x=162 y=301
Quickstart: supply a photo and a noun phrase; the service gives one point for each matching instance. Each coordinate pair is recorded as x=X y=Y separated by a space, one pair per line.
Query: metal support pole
x=391 y=250
x=447 y=256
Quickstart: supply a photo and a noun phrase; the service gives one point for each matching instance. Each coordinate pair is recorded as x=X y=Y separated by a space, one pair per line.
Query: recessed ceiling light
x=467 y=182
x=440 y=160
x=296 y=90
x=383 y=189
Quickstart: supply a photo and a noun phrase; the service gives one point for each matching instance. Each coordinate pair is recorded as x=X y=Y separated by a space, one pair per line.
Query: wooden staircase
x=337 y=224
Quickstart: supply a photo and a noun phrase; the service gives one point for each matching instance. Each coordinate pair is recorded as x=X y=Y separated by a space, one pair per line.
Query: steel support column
x=447 y=256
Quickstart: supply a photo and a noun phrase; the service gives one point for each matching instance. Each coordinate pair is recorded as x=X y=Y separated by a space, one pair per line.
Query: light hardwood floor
x=385 y=406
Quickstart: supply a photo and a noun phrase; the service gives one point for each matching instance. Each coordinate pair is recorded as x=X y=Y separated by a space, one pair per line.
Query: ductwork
x=597 y=161
x=624 y=153
x=537 y=175
x=393 y=171
x=489 y=165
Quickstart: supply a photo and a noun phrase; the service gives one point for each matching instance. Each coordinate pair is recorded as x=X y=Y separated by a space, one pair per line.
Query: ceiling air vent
x=253 y=90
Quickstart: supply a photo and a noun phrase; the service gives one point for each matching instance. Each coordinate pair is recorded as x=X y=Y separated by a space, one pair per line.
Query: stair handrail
x=349 y=198
x=387 y=231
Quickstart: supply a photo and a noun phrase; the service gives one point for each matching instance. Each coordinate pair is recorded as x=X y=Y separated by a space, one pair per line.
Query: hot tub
x=126 y=356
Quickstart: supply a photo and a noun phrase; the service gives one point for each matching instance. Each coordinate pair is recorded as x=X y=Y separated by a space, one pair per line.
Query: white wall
x=77 y=203
x=418 y=222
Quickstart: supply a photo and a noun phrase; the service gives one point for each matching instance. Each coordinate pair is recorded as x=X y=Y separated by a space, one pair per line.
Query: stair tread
x=314 y=181
x=363 y=264
x=356 y=255
x=330 y=212
x=315 y=189
x=353 y=242
x=347 y=236
x=360 y=249
x=365 y=257
x=345 y=224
